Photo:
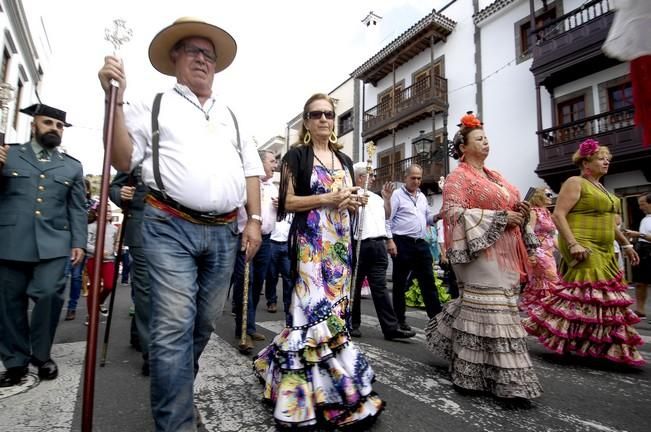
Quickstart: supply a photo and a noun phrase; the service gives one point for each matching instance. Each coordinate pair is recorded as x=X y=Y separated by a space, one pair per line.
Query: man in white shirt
x=279 y=263
x=198 y=173
x=642 y=272
x=410 y=215
x=373 y=258
x=260 y=262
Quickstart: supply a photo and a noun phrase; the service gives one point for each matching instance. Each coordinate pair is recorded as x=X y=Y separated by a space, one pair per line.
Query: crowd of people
x=200 y=206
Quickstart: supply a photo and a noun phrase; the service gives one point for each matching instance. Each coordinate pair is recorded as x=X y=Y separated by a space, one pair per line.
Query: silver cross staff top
x=6 y=96
x=119 y=35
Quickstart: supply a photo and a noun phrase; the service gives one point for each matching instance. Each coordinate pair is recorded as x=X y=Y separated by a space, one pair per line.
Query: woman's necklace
x=205 y=113
x=332 y=163
x=601 y=187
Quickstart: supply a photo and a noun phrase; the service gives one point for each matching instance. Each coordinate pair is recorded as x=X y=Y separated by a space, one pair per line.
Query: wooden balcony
x=433 y=169
x=614 y=129
x=412 y=104
x=570 y=46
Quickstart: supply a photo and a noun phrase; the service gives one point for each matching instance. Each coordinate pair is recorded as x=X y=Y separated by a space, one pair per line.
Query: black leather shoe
x=355 y=332
x=48 y=370
x=399 y=334
x=404 y=326
x=13 y=376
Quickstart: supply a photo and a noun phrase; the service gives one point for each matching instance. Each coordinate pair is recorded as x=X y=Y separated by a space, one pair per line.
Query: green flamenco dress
x=588 y=313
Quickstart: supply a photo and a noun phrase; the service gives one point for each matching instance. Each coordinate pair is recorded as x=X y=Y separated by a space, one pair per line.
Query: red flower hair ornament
x=588 y=147
x=470 y=121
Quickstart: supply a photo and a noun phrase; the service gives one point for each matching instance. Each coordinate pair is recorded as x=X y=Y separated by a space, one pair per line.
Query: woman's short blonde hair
x=538 y=198
x=577 y=158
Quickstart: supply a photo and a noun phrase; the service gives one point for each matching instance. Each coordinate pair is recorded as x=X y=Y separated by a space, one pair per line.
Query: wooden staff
x=120 y=35
x=370 y=151
x=245 y=308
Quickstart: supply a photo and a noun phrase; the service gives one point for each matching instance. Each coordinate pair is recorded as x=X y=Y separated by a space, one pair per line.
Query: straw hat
x=185 y=27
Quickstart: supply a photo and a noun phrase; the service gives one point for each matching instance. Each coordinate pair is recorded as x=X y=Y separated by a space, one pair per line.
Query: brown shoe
x=257 y=336
x=272 y=308
x=246 y=347
x=70 y=315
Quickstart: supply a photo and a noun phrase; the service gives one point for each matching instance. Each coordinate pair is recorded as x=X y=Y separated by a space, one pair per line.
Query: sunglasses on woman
x=316 y=115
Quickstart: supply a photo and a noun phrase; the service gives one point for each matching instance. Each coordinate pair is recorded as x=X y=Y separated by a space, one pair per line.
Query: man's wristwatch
x=256 y=217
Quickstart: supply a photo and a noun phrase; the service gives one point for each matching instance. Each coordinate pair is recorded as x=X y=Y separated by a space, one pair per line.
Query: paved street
x=580 y=395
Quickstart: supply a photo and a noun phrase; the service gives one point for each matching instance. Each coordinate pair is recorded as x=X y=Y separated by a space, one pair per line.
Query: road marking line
x=51 y=405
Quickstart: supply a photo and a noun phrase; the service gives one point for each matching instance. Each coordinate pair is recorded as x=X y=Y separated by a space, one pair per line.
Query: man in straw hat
x=202 y=174
x=42 y=226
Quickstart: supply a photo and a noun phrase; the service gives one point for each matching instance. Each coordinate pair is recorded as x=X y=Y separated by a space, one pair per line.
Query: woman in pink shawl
x=480 y=332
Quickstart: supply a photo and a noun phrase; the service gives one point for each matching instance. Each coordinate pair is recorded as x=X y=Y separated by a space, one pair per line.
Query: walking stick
x=370 y=151
x=114 y=282
x=121 y=34
x=245 y=308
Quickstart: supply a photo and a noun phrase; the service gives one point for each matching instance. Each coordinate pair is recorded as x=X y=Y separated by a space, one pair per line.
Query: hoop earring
x=333 y=137
x=307 y=138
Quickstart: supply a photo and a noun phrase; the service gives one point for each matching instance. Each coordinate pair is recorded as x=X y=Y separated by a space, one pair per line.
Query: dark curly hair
x=468 y=124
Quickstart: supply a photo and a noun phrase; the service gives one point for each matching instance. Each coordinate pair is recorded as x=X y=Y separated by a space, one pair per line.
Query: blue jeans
x=257 y=272
x=189 y=268
x=126 y=269
x=75 y=273
x=279 y=264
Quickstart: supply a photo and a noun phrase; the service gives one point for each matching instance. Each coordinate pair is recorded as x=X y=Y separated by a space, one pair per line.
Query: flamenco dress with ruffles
x=543 y=277
x=588 y=314
x=313 y=374
x=480 y=332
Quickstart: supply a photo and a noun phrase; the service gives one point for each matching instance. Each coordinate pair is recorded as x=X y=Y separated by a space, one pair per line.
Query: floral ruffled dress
x=312 y=372
x=543 y=277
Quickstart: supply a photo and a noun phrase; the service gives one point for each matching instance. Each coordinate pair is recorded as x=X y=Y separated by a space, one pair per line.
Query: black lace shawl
x=297 y=167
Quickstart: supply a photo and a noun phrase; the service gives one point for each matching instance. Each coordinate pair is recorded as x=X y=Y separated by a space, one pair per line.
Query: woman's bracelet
x=570 y=246
x=627 y=246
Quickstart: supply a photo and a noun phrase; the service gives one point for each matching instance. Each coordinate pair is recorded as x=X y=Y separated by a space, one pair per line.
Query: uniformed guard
x=43 y=223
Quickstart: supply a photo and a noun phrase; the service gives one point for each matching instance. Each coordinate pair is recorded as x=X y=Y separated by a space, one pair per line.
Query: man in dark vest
x=43 y=224
x=128 y=191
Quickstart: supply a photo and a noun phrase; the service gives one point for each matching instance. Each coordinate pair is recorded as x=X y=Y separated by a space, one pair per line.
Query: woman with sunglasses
x=543 y=276
x=312 y=372
x=588 y=314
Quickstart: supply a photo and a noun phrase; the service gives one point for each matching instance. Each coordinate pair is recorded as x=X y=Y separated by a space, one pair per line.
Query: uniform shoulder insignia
x=67 y=155
x=13 y=144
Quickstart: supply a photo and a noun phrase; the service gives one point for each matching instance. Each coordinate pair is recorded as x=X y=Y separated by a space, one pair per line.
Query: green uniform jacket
x=42 y=206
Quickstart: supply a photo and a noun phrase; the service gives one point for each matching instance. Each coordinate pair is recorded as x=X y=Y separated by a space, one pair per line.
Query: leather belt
x=156 y=199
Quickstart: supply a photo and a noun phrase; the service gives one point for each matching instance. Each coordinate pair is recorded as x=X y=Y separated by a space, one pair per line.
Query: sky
x=287 y=50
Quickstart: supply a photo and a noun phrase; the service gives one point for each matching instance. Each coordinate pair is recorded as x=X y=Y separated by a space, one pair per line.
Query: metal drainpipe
x=479 y=94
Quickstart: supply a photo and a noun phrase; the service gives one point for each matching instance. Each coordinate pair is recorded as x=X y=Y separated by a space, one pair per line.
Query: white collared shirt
x=268 y=190
x=200 y=165
x=374 y=222
x=645 y=228
x=281 y=229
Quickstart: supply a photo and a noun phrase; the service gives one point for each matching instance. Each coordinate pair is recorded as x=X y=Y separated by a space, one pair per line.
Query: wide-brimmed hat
x=40 y=109
x=185 y=27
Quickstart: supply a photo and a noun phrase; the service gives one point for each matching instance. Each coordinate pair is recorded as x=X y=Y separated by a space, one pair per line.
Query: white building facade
x=539 y=93
x=25 y=55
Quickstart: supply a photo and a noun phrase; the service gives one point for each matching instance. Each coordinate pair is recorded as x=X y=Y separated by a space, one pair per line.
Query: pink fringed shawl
x=474 y=211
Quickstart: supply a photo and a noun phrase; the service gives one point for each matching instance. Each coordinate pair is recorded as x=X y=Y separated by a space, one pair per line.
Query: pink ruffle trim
x=616 y=335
